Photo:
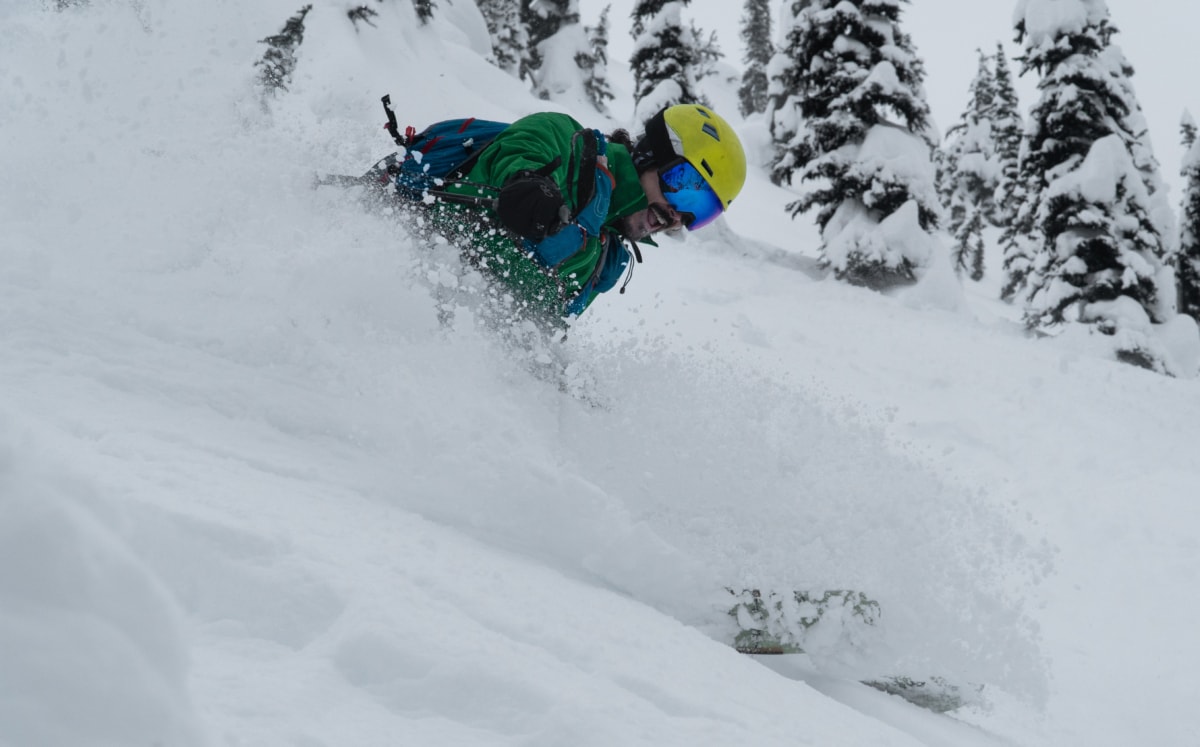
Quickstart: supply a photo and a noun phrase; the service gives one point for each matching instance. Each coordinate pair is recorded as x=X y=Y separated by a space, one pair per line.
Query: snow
x=1046 y=19
x=90 y=640
x=1096 y=178
x=253 y=493
x=884 y=77
x=891 y=154
x=558 y=75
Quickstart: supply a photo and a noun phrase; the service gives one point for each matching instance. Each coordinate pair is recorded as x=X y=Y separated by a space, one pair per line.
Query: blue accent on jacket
x=552 y=250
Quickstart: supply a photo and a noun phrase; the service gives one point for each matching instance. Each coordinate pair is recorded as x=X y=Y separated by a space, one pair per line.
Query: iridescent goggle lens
x=688 y=192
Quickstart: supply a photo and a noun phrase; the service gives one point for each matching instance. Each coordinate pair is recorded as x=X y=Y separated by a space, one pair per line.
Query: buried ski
x=932 y=693
x=773 y=624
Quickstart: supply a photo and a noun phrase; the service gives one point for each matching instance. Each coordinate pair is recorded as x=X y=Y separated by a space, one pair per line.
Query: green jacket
x=562 y=274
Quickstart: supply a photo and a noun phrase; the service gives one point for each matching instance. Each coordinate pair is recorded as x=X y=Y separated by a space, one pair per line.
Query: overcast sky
x=1157 y=36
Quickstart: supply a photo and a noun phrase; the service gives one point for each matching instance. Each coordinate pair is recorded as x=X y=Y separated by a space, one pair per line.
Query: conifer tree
x=664 y=58
x=553 y=67
x=968 y=248
x=544 y=18
x=756 y=33
x=977 y=170
x=424 y=10
x=1007 y=129
x=1188 y=260
x=943 y=178
x=362 y=13
x=848 y=112
x=1187 y=130
x=969 y=176
x=1133 y=122
x=509 y=38
x=1094 y=241
x=971 y=149
x=785 y=95
x=708 y=53
x=279 y=61
x=541 y=20
x=595 y=63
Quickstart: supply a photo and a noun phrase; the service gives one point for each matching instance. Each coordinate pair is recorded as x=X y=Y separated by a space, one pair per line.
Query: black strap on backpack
x=393 y=127
x=464 y=168
x=585 y=186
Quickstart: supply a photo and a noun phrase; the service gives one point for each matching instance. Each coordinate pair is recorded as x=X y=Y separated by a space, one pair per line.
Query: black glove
x=532 y=205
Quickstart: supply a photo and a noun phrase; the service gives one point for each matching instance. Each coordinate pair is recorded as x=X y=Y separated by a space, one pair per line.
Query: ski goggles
x=690 y=195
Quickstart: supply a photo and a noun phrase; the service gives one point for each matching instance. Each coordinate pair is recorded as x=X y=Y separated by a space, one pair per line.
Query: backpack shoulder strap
x=585 y=185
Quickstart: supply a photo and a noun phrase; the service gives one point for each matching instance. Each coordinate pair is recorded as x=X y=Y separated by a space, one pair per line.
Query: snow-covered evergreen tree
x=784 y=94
x=970 y=149
x=1007 y=129
x=362 y=13
x=545 y=17
x=665 y=57
x=968 y=250
x=424 y=9
x=708 y=52
x=557 y=42
x=1187 y=129
x=595 y=64
x=969 y=173
x=509 y=38
x=1187 y=265
x=1142 y=151
x=541 y=19
x=279 y=61
x=756 y=33
x=848 y=113
x=1090 y=233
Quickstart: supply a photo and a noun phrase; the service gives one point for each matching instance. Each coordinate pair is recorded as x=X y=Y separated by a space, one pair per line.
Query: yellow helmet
x=699 y=135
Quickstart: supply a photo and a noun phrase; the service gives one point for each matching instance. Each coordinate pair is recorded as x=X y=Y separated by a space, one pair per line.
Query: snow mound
x=90 y=640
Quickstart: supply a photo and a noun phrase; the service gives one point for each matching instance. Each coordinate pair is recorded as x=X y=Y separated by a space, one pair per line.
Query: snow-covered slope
x=254 y=492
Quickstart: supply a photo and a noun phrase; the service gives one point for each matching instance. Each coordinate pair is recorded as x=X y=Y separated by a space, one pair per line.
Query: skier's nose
x=674 y=220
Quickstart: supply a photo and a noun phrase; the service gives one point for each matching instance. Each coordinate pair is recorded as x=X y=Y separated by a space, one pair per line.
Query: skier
x=568 y=198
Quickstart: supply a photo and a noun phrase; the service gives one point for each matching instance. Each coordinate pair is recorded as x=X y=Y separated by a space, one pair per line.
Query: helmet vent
x=703 y=113
x=711 y=131
x=707 y=168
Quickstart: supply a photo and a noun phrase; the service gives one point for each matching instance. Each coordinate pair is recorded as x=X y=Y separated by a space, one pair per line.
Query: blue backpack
x=443 y=151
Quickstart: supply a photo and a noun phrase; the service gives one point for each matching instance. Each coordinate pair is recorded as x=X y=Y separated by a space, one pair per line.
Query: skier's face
x=658 y=215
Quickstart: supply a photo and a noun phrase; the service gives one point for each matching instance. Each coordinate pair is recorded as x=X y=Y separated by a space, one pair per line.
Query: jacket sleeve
x=529 y=144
